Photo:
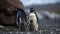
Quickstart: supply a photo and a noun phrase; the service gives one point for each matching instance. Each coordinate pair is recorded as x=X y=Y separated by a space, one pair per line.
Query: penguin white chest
x=32 y=16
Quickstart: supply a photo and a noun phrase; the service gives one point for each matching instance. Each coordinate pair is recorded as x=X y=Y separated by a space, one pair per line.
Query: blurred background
x=48 y=11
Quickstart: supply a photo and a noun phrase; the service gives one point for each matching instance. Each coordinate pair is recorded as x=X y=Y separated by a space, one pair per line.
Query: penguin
x=33 y=17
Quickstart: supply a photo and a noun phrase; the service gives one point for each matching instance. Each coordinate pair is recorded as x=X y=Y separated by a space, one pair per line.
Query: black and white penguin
x=33 y=17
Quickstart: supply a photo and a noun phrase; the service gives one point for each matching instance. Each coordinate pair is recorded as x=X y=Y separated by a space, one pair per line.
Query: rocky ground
x=45 y=27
